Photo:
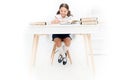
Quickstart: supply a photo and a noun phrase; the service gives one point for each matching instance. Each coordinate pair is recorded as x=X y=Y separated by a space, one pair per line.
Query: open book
x=69 y=22
x=83 y=21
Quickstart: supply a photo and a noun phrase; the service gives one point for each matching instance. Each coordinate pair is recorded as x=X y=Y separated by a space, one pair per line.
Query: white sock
x=65 y=48
x=59 y=50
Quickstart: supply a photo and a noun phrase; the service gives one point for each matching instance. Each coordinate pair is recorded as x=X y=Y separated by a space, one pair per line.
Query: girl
x=63 y=16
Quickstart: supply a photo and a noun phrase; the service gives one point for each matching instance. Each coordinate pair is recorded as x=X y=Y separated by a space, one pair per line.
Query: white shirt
x=66 y=19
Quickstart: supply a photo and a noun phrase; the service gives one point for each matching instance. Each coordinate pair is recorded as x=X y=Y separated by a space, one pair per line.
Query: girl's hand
x=56 y=21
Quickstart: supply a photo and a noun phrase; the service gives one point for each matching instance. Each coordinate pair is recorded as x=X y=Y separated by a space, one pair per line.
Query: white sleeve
x=58 y=17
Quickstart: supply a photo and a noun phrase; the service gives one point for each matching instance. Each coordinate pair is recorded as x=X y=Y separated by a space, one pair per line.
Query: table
x=85 y=30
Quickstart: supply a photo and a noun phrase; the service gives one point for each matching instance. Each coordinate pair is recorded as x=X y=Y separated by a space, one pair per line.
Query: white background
x=16 y=15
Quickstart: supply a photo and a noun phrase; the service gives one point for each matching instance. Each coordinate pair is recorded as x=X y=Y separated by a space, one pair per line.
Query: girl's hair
x=67 y=7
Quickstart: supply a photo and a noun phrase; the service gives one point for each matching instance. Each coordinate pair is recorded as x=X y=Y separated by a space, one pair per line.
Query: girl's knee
x=67 y=44
x=58 y=42
x=67 y=41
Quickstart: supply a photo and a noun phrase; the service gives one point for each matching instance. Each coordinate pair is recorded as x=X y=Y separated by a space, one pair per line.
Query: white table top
x=63 y=29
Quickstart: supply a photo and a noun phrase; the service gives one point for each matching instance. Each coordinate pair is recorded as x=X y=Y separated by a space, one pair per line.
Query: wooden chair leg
x=68 y=55
x=53 y=53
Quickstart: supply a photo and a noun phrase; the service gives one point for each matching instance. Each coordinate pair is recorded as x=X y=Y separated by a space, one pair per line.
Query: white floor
x=79 y=70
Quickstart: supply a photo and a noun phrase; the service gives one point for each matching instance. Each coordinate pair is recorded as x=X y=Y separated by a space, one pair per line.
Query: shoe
x=66 y=54
x=64 y=61
x=60 y=58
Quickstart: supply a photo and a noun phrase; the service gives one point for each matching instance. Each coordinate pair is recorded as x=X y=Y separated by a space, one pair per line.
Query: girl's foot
x=64 y=60
x=60 y=58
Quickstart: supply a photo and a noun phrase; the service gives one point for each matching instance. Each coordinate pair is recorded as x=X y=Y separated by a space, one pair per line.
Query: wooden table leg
x=91 y=51
x=86 y=48
x=34 y=47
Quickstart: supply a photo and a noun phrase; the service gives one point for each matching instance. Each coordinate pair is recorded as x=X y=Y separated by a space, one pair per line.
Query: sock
x=65 y=48
x=59 y=50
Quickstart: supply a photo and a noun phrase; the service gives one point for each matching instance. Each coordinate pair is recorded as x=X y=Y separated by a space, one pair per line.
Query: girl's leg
x=67 y=42
x=58 y=42
x=57 y=46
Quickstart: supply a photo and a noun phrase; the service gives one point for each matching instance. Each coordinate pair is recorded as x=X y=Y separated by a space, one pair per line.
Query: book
x=89 y=21
x=39 y=23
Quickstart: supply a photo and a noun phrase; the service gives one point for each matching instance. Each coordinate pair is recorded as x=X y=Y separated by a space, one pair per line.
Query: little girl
x=63 y=16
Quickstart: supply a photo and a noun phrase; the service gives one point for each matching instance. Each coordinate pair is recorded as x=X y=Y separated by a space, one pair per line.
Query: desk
x=84 y=30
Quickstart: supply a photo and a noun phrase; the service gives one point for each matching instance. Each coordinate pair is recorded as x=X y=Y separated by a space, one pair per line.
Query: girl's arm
x=55 y=21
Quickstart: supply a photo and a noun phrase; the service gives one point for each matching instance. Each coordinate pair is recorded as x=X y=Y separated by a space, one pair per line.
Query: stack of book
x=39 y=23
x=89 y=21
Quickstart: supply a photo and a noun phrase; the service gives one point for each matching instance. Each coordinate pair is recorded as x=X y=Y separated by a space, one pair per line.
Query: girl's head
x=64 y=10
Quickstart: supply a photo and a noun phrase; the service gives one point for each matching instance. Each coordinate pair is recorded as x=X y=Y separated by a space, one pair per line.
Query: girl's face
x=63 y=11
